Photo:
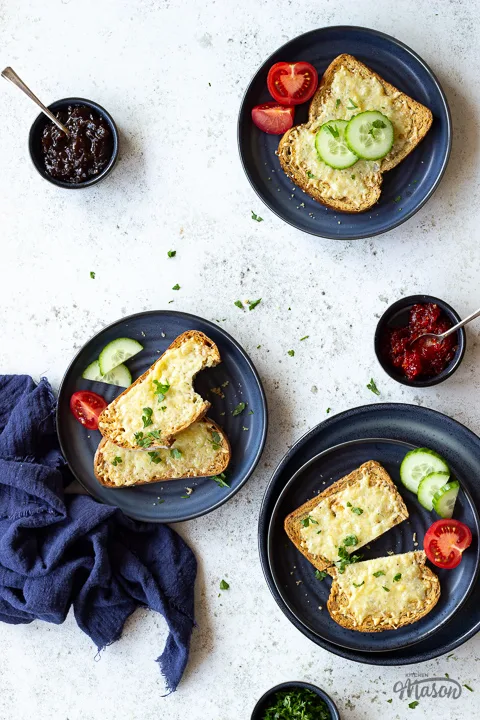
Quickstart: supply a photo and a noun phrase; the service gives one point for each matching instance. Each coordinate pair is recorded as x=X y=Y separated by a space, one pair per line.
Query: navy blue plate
x=419 y=427
x=414 y=180
x=162 y=502
x=304 y=599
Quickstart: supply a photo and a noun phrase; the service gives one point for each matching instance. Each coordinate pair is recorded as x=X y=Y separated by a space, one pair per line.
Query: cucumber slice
x=429 y=486
x=116 y=352
x=369 y=135
x=444 y=499
x=120 y=375
x=419 y=463
x=332 y=147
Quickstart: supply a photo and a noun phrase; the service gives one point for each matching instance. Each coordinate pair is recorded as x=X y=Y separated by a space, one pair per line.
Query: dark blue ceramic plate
x=414 y=180
x=419 y=427
x=304 y=599
x=156 y=330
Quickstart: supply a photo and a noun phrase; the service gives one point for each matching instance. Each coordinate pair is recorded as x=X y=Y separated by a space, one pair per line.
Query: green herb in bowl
x=297 y=704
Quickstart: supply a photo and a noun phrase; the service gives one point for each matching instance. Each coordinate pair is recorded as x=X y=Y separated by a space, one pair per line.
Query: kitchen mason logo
x=416 y=687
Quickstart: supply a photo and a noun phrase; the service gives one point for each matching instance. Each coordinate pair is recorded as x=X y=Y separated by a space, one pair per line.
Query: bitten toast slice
x=201 y=450
x=162 y=402
x=385 y=593
x=360 y=506
x=347 y=88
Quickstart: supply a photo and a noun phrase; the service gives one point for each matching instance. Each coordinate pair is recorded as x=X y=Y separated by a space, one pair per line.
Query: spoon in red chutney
x=439 y=337
x=10 y=75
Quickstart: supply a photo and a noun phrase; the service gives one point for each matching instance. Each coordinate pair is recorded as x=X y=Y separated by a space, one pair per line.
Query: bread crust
x=421 y=115
x=103 y=469
x=379 y=476
x=107 y=419
x=337 y=603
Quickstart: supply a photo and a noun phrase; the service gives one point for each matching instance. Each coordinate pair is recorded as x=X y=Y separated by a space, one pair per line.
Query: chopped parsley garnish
x=154 y=434
x=291 y=353
x=373 y=387
x=349 y=504
x=397 y=199
x=468 y=687
x=413 y=704
x=253 y=305
x=320 y=574
x=239 y=304
x=256 y=217
x=359 y=584
x=397 y=577
x=216 y=440
x=357 y=510
x=328 y=410
x=344 y=556
x=147 y=417
x=296 y=704
x=378 y=573
x=92 y=274
x=308 y=521
x=310 y=174
x=143 y=440
x=337 y=103
x=350 y=540
x=378 y=124
x=305 y=337
x=155 y=457
x=185 y=497
x=352 y=105
x=353 y=177
x=161 y=390
x=239 y=409
x=334 y=132
x=221 y=480
x=116 y=461
x=385 y=588
x=224 y=585
x=172 y=253
x=176 y=453
x=176 y=287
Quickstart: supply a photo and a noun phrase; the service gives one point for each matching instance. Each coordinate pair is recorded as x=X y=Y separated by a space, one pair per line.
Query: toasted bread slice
x=361 y=506
x=173 y=409
x=201 y=450
x=347 y=88
x=383 y=594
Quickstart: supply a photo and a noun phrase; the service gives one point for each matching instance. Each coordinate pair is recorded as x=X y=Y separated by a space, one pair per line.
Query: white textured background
x=179 y=185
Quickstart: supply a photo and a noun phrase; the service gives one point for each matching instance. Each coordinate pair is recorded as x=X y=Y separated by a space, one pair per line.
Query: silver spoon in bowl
x=10 y=75
x=441 y=336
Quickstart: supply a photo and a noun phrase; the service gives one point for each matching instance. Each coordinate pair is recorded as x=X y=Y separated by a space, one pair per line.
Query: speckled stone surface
x=172 y=74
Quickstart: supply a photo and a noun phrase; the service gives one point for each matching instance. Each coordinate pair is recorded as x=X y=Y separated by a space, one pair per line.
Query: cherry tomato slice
x=86 y=407
x=445 y=542
x=292 y=83
x=273 y=118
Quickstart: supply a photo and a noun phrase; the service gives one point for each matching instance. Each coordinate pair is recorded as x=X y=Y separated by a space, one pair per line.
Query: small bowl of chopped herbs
x=295 y=701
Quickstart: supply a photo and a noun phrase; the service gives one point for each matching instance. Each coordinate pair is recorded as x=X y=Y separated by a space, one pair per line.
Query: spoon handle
x=461 y=324
x=11 y=75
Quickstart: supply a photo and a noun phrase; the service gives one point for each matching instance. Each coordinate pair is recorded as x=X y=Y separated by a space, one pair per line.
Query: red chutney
x=425 y=358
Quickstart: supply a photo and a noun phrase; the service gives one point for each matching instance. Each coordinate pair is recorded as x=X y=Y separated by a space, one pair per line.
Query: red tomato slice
x=273 y=118
x=87 y=406
x=445 y=542
x=292 y=83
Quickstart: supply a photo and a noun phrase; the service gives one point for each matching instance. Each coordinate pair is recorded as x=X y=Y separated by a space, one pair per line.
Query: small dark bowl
x=397 y=315
x=264 y=701
x=35 y=142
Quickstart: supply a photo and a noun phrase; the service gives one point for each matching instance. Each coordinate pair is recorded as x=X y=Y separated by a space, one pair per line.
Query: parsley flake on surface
x=291 y=353
x=350 y=540
x=171 y=253
x=308 y=521
x=155 y=457
x=385 y=588
x=256 y=217
x=413 y=704
x=116 y=461
x=239 y=409
x=357 y=510
x=147 y=417
x=176 y=287
x=378 y=573
x=161 y=389
x=337 y=103
x=332 y=130
x=352 y=105
x=92 y=274
x=320 y=574
x=176 y=453
x=224 y=585
x=359 y=584
x=373 y=387
x=397 y=199
x=310 y=174
x=397 y=577
x=221 y=480
x=305 y=337
x=328 y=410
x=468 y=687
x=253 y=305
x=239 y=304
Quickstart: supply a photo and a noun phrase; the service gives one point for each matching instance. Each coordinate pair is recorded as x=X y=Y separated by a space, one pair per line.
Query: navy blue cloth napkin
x=58 y=550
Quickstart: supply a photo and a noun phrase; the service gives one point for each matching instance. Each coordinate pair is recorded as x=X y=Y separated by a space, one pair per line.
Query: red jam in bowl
x=425 y=358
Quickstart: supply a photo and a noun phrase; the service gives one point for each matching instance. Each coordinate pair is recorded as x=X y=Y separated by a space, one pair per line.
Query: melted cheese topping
x=333 y=519
x=368 y=94
x=406 y=595
x=177 y=368
x=200 y=455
